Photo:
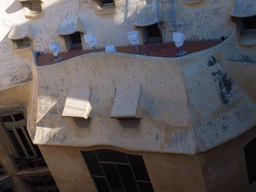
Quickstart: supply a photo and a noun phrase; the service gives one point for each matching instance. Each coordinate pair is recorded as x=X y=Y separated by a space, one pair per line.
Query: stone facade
x=189 y=118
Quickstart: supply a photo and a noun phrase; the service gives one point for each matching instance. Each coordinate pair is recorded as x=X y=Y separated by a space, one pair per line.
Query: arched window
x=250 y=157
x=117 y=171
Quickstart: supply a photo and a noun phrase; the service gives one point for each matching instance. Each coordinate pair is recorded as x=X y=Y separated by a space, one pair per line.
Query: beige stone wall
x=171 y=172
x=16 y=98
x=206 y=20
x=196 y=20
x=220 y=169
x=167 y=172
x=224 y=168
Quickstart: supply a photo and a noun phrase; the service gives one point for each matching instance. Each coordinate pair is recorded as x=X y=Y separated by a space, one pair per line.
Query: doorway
x=153 y=33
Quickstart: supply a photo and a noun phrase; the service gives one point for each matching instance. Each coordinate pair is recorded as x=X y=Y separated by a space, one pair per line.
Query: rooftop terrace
x=150 y=49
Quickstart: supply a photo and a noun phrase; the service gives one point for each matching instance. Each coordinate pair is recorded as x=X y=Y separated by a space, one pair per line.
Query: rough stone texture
x=196 y=20
x=244 y=74
x=14 y=66
x=189 y=104
x=165 y=120
x=220 y=108
x=200 y=106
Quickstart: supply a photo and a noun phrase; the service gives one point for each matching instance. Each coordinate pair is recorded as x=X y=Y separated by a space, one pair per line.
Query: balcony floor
x=157 y=49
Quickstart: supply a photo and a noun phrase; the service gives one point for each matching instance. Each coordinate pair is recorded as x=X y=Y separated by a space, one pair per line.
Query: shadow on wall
x=14 y=7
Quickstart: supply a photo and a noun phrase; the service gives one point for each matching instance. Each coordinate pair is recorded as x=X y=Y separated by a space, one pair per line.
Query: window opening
x=46 y=185
x=105 y=3
x=75 y=39
x=8 y=190
x=153 y=33
x=15 y=127
x=249 y=23
x=117 y=171
x=250 y=158
x=36 y=7
x=32 y=6
x=27 y=4
x=2 y=171
x=22 y=43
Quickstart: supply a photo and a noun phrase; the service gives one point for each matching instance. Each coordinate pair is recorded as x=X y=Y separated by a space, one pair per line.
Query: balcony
x=150 y=49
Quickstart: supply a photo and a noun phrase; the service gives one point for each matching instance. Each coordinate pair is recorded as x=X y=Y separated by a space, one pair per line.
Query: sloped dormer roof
x=146 y=16
x=70 y=25
x=244 y=8
x=21 y=31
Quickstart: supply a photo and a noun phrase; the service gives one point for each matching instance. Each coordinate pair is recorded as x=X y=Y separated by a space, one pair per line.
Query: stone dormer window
x=147 y=24
x=246 y=12
x=22 y=43
x=105 y=6
x=103 y=3
x=71 y=29
x=75 y=39
x=33 y=8
x=248 y=29
x=22 y=37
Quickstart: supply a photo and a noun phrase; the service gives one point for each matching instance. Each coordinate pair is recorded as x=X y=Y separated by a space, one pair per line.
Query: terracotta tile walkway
x=150 y=49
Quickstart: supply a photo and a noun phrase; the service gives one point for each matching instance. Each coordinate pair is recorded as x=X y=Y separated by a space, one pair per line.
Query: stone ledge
x=248 y=39
x=106 y=10
x=192 y=1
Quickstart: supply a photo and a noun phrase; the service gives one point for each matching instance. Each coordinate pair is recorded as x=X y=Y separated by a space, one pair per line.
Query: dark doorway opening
x=75 y=39
x=250 y=158
x=153 y=33
x=249 y=23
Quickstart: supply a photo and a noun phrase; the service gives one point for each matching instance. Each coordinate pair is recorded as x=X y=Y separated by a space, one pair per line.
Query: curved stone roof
x=188 y=105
